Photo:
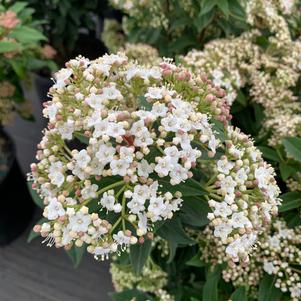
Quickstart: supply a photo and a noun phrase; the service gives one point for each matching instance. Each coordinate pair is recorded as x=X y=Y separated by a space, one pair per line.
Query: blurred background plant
x=21 y=52
x=174 y=27
x=72 y=26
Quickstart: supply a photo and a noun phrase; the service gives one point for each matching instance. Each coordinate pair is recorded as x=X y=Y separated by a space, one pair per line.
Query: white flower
x=121 y=238
x=61 y=77
x=136 y=205
x=108 y=201
x=239 y=220
x=79 y=222
x=269 y=267
x=89 y=192
x=127 y=154
x=54 y=210
x=155 y=93
x=111 y=93
x=222 y=230
x=222 y=209
x=100 y=128
x=228 y=185
x=164 y=166
x=262 y=175
x=119 y=167
x=224 y=166
x=51 y=112
x=82 y=158
x=105 y=153
x=115 y=129
x=66 y=129
x=95 y=101
x=295 y=291
x=159 y=110
x=144 y=168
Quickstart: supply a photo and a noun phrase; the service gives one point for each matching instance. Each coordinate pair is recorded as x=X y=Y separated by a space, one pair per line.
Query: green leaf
x=269 y=153
x=194 y=211
x=290 y=200
x=130 y=295
x=267 y=290
x=173 y=232
x=27 y=34
x=32 y=235
x=144 y=104
x=203 y=20
x=9 y=46
x=18 y=7
x=81 y=137
x=241 y=98
x=189 y=188
x=76 y=254
x=183 y=42
x=35 y=197
x=236 y=10
x=224 y=6
x=219 y=129
x=210 y=292
x=239 y=294
x=18 y=67
x=207 y=6
x=196 y=261
x=286 y=171
x=293 y=147
x=139 y=254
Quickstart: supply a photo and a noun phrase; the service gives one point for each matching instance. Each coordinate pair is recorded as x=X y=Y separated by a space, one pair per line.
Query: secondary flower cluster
x=244 y=195
x=277 y=253
x=268 y=72
x=152 y=280
x=141 y=135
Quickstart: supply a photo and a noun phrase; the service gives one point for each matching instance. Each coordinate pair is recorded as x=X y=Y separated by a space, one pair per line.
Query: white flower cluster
x=277 y=253
x=244 y=195
x=135 y=128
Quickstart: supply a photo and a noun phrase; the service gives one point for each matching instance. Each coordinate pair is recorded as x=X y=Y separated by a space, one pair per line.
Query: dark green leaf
x=239 y=294
x=194 y=211
x=81 y=137
x=144 y=104
x=203 y=20
x=207 y=6
x=35 y=197
x=210 y=292
x=196 y=261
x=290 y=200
x=269 y=153
x=241 y=98
x=188 y=188
x=129 y=295
x=224 y=6
x=286 y=171
x=139 y=254
x=173 y=232
x=293 y=147
x=76 y=254
x=267 y=290
x=236 y=10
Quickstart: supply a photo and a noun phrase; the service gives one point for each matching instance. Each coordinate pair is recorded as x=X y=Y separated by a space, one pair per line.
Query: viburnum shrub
x=130 y=147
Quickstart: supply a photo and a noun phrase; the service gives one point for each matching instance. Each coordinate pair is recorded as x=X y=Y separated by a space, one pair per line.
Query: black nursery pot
x=16 y=205
x=42 y=85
